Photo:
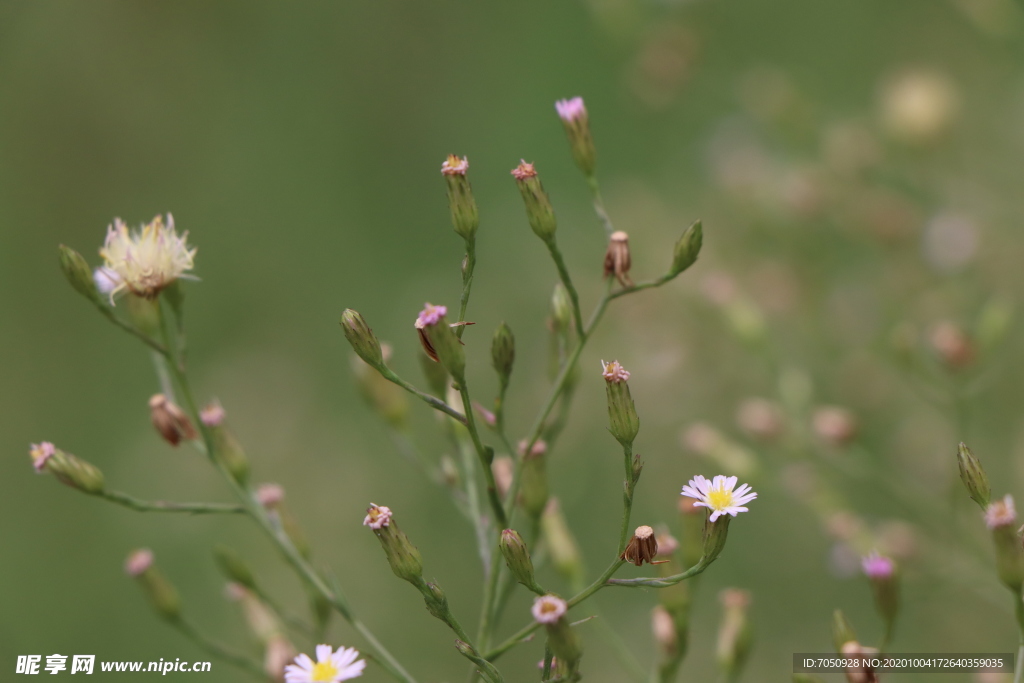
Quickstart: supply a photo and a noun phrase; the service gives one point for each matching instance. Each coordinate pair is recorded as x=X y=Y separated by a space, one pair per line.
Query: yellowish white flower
x=718 y=495
x=145 y=260
x=331 y=666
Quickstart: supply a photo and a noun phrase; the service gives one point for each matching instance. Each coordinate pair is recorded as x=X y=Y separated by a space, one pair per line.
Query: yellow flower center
x=720 y=498
x=548 y=607
x=324 y=671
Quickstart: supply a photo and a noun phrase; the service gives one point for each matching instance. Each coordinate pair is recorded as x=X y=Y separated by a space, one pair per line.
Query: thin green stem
x=563 y=274
x=643 y=285
x=627 y=497
x=599 y=209
x=131 y=329
x=432 y=401
x=219 y=651
x=168 y=506
x=486 y=456
x=661 y=582
x=1018 y=611
x=467 y=284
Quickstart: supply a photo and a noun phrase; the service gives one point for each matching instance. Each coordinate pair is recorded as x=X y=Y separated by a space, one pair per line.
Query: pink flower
x=571 y=110
x=377 y=516
x=524 y=170
x=613 y=372
x=138 y=562
x=877 y=566
x=41 y=452
x=1001 y=513
x=270 y=495
x=453 y=165
x=430 y=315
x=548 y=609
x=212 y=415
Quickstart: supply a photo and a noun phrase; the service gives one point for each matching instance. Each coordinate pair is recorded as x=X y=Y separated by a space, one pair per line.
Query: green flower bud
x=437 y=377
x=67 y=468
x=687 y=248
x=503 y=352
x=404 y=558
x=550 y=610
x=842 y=631
x=233 y=566
x=436 y=601
x=533 y=475
x=734 y=635
x=624 y=424
x=362 y=339
x=561 y=310
x=517 y=557
x=461 y=203
x=573 y=114
x=973 y=476
x=227 y=448
x=160 y=592
x=78 y=273
x=565 y=554
x=538 y=206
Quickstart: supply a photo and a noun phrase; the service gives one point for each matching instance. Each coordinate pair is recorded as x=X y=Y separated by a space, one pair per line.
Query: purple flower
x=430 y=315
x=571 y=110
x=878 y=566
x=41 y=452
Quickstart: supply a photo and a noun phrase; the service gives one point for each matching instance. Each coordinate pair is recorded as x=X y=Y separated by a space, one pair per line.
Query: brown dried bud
x=643 y=547
x=616 y=259
x=952 y=345
x=170 y=420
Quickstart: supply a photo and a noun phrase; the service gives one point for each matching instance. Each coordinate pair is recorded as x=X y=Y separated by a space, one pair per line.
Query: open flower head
x=430 y=315
x=146 y=260
x=548 y=609
x=331 y=666
x=718 y=495
x=453 y=165
x=614 y=372
x=877 y=566
x=571 y=109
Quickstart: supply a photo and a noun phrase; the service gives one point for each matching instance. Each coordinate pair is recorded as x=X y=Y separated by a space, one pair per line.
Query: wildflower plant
x=503 y=491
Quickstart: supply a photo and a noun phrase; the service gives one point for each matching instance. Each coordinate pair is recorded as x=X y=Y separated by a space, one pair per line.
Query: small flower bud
x=561 y=310
x=517 y=558
x=227 y=448
x=233 y=566
x=362 y=339
x=842 y=632
x=834 y=425
x=451 y=476
x=687 y=248
x=565 y=554
x=1001 y=519
x=461 y=203
x=170 y=420
x=667 y=543
x=440 y=342
x=642 y=547
x=533 y=487
x=973 y=476
x=881 y=571
x=954 y=348
x=616 y=259
x=503 y=352
x=538 y=206
x=859 y=670
x=624 y=424
x=761 y=419
x=67 y=468
x=402 y=555
x=269 y=495
x=279 y=652
x=663 y=628
x=436 y=601
x=734 y=635
x=503 y=469
x=437 y=377
x=573 y=114
x=162 y=595
x=77 y=271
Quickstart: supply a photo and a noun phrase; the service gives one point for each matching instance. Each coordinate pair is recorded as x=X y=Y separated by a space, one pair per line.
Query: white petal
x=714 y=515
x=304 y=662
x=718 y=481
x=353 y=671
x=344 y=656
x=730 y=483
x=294 y=674
x=323 y=653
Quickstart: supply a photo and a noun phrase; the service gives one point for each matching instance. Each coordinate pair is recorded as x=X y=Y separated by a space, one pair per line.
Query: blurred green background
x=857 y=167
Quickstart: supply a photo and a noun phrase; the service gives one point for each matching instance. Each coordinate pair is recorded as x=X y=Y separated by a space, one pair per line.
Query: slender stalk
x=486 y=456
x=219 y=651
x=467 y=285
x=1018 y=611
x=563 y=274
x=599 y=209
x=168 y=506
x=627 y=497
x=661 y=582
x=432 y=401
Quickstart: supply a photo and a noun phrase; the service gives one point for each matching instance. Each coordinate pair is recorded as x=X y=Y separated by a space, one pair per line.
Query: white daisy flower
x=331 y=666
x=718 y=495
x=548 y=609
x=143 y=261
